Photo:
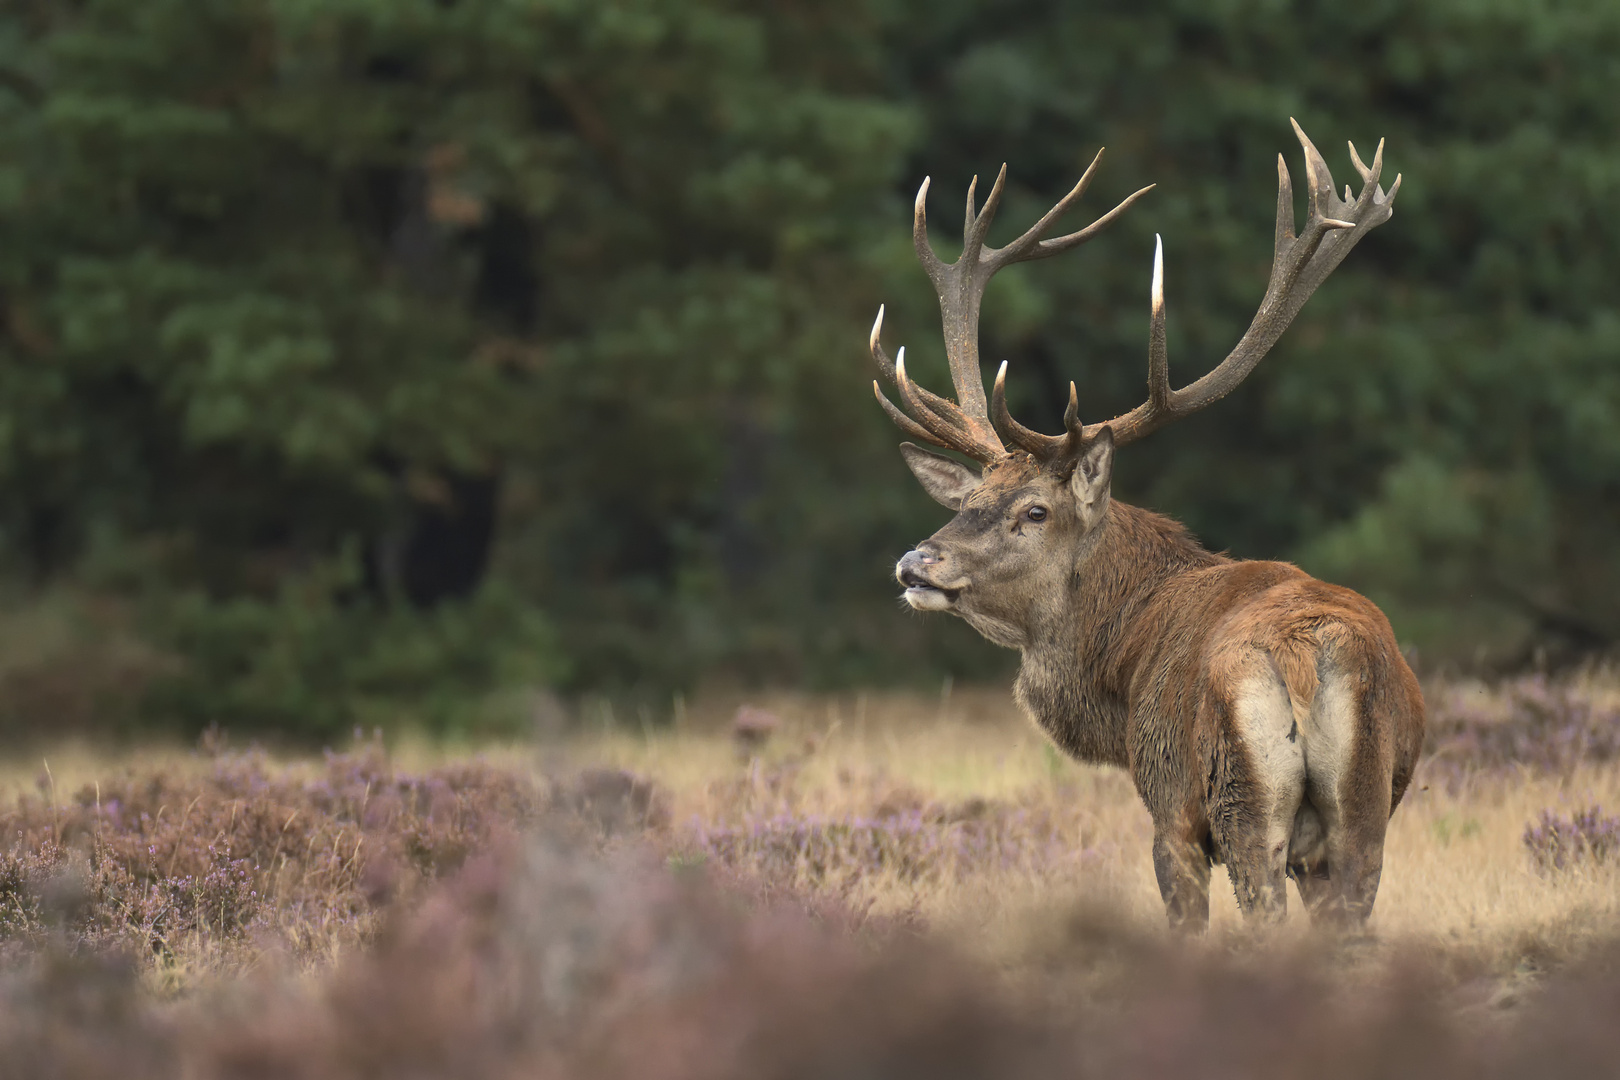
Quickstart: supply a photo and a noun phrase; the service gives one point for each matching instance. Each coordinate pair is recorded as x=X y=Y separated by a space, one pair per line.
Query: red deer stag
x=1267 y=719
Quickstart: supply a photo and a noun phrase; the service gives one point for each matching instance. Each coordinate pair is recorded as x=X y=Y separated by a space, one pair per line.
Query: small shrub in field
x=1560 y=843
x=22 y=908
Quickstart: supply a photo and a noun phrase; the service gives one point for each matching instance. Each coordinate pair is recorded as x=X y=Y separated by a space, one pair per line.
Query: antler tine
x=946 y=424
x=946 y=420
x=1075 y=194
x=938 y=421
x=966 y=424
x=1318 y=178
x=932 y=402
x=933 y=407
x=1300 y=263
x=1019 y=248
x=1369 y=176
x=1026 y=439
x=875 y=344
x=1071 y=414
x=1158 y=349
x=906 y=423
x=1059 y=244
x=1285 y=209
x=1051 y=448
x=1361 y=167
x=1160 y=406
x=1031 y=246
x=919 y=233
x=977 y=225
x=993 y=203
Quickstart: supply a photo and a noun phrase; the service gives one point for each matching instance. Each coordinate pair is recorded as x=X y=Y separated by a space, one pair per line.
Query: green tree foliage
x=344 y=339
x=297 y=292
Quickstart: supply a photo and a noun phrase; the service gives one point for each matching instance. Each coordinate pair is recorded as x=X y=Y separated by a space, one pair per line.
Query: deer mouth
x=925 y=595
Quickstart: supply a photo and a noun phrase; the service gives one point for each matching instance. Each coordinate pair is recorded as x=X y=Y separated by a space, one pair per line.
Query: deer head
x=1030 y=514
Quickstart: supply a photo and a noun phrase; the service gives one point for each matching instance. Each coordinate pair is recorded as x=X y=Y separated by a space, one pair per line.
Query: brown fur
x=1138 y=646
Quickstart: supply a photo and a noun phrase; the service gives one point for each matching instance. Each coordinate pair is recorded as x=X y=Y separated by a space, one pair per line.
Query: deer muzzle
x=927 y=580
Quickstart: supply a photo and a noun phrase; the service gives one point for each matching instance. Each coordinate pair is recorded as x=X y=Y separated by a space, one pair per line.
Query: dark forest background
x=374 y=360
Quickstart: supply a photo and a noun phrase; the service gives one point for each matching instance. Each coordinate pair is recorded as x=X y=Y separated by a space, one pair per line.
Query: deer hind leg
x=1339 y=890
x=1348 y=786
x=1307 y=856
x=1182 y=869
x=1262 y=795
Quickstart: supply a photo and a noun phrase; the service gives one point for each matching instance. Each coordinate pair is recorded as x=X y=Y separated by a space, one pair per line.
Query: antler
x=1332 y=227
x=965 y=424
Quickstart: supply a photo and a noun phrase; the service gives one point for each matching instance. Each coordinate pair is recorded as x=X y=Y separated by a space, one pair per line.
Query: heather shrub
x=22 y=873
x=931 y=845
x=347 y=917
x=548 y=958
x=611 y=800
x=1562 y=842
x=764 y=826
x=83 y=1016
x=1537 y=724
x=553 y=957
x=160 y=860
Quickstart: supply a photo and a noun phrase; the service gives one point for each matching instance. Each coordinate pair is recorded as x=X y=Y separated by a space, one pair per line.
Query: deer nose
x=913 y=567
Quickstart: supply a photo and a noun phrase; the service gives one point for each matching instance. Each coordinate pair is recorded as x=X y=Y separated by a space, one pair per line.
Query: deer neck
x=1076 y=669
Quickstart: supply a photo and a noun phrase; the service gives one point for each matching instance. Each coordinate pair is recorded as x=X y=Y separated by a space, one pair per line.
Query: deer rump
x=1301 y=726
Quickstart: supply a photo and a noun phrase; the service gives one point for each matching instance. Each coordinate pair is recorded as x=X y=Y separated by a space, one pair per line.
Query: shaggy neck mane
x=1080 y=659
x=1133 y=553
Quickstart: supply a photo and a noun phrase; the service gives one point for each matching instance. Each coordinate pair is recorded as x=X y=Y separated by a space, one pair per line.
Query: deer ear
x=1091 y=477
x=948 y=481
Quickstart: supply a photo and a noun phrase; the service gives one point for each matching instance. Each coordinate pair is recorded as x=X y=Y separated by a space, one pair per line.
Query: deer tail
x=1295 y=658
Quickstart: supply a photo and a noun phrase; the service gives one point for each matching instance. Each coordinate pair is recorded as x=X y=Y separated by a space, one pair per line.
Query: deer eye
x=1035 y=513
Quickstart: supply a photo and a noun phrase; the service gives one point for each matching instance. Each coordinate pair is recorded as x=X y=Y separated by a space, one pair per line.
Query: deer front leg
x=1182 y=868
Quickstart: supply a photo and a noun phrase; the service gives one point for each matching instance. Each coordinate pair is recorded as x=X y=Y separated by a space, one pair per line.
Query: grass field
x=941 y=824
x=1458 y=876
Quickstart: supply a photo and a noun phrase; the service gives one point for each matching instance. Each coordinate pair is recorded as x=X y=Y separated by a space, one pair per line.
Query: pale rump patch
x=1329 y=741
x=1269 y=733
x=1301 y=757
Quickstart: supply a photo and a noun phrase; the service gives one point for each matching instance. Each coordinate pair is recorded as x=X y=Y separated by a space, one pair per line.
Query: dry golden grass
x=439 y=947
x=1458 y=883
x=1457 y=878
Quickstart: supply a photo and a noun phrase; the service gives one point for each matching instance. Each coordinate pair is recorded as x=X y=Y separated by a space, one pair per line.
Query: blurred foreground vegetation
x=360 y=359
x=884 y=885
